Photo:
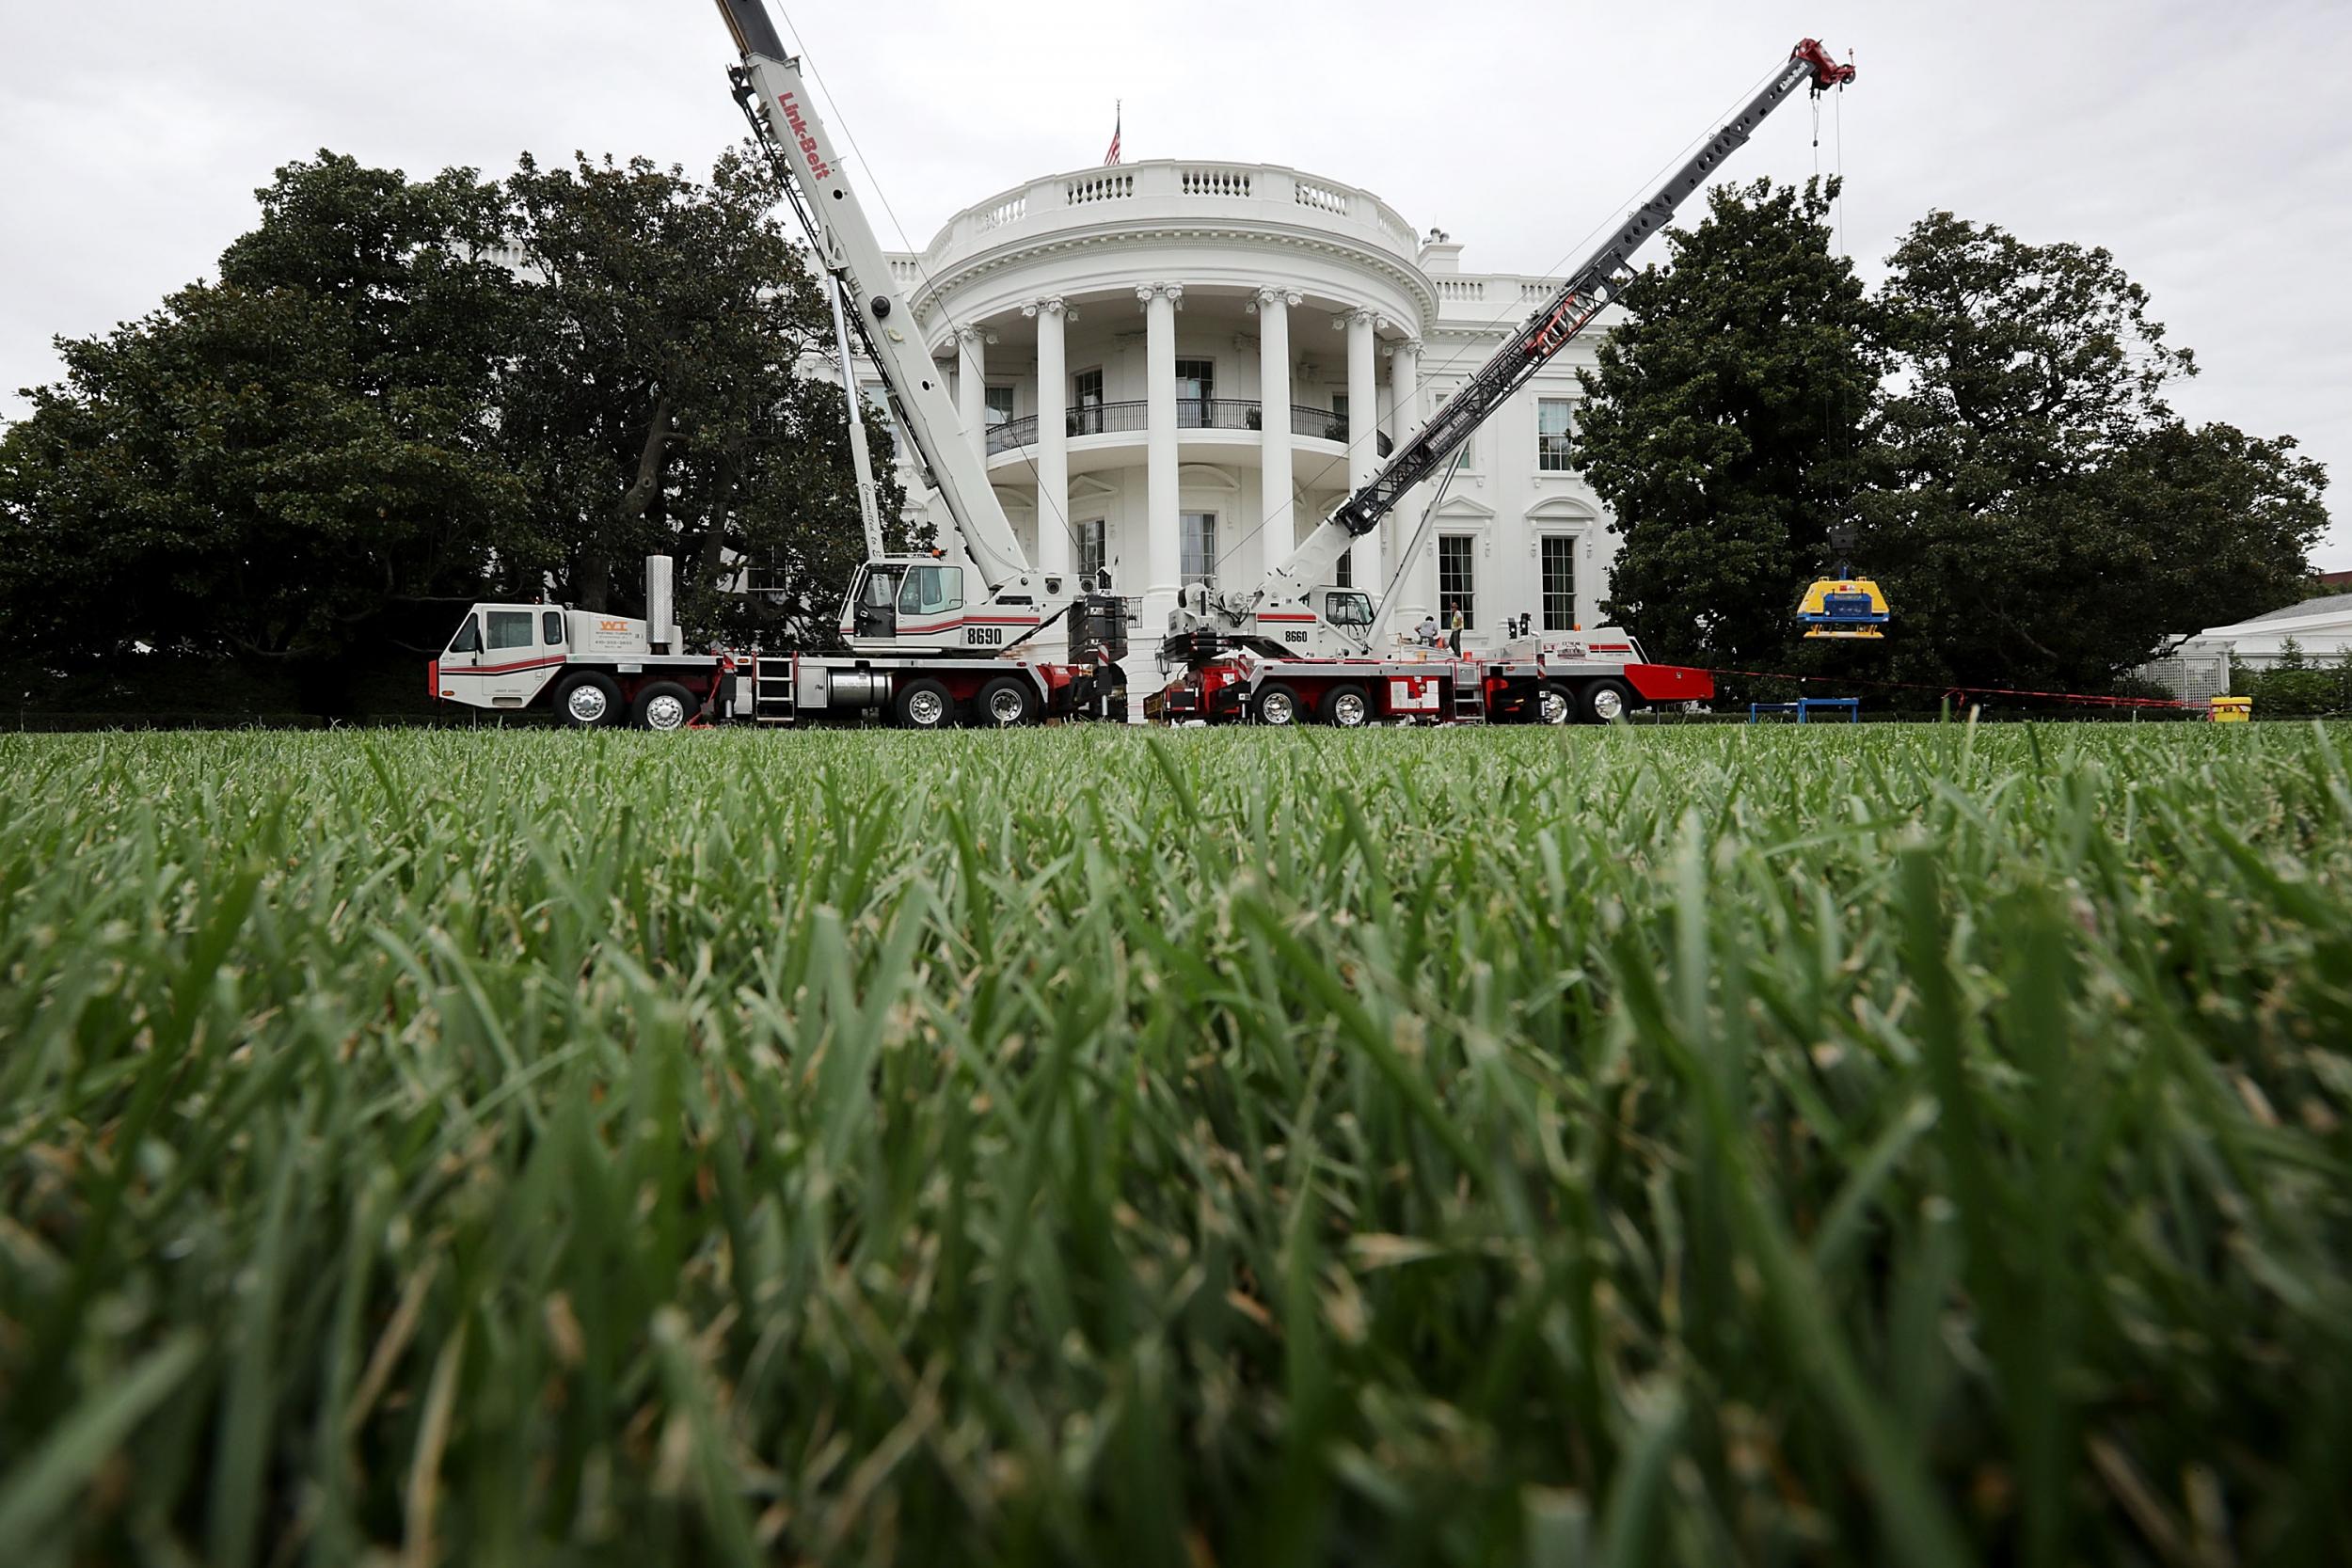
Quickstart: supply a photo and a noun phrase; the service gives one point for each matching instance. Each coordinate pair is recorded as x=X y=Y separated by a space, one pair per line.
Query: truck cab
x=503 y=655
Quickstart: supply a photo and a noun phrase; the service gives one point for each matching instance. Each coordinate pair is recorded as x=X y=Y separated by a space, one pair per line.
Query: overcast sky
x=2204 y=145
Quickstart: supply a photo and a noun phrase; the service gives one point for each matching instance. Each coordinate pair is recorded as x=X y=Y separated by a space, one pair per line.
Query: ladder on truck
x=1470 y=695
x=772 y=698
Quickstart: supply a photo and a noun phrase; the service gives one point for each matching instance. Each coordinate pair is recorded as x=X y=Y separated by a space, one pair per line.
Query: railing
x=1011 y=210
x=1101 y=187
x=1265 y=193
x=1471 y=289
x=1007 y=435
x=1213 y=181
x=1116 y=419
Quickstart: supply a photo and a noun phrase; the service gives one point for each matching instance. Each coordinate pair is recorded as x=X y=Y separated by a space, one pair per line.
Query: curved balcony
x=1261 y=199
x=1106 y=419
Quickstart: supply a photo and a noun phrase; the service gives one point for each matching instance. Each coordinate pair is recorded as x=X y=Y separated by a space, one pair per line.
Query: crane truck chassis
x=595 y=670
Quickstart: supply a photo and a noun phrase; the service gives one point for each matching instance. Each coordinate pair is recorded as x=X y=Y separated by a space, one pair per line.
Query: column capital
x=1172 y=293
x=1052 y=304
x=972 y=332
x=1288 y=298
x=1411 y=347
x=1372 y=319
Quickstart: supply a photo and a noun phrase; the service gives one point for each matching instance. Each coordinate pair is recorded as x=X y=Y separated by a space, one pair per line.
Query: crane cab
x=1843 y=608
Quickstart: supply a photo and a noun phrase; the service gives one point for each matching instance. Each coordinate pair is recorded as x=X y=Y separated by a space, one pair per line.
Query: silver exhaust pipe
x=660 y=606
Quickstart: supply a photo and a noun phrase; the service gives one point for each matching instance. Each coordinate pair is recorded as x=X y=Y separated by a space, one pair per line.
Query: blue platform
x=1804 y=708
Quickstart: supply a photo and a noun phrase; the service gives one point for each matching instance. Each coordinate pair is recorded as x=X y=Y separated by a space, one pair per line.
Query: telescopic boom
x=1587 y=291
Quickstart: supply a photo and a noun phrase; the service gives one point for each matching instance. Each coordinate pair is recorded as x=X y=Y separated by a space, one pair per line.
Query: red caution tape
x=1965 y=691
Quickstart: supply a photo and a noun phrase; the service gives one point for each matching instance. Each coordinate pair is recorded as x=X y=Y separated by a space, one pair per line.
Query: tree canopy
x=1724 y=425
x=409 y=390
x=1993 y=421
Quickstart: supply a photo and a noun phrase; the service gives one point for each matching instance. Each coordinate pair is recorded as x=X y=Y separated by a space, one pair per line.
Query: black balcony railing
x=1111 y=419
x=1006 y=434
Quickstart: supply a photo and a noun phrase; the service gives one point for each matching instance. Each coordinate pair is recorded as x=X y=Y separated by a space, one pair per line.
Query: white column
x=1163 y=546
x=1405 y=384
x=1281 y=533
x=972 y=386
x=1363 y=436
x=1053 y=435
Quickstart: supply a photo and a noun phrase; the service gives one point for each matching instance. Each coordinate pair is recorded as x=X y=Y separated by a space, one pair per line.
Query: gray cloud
x=2209 y=159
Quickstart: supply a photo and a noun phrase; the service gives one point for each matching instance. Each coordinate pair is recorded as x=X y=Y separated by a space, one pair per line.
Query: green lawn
x=1871 y=1146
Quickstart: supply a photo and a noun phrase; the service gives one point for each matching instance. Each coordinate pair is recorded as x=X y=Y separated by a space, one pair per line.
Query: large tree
x=2045 y=516
x=402 y=391
x=257 y=466
x=1724 y=425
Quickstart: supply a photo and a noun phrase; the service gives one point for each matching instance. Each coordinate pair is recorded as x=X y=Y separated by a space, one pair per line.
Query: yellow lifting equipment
x=1843 y=607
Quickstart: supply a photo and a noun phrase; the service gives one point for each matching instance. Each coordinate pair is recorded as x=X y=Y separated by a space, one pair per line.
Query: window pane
x=1553 y=444
x=880 y=589
x=932 y=590
x=1346 y=576
x=878 y=415
x=1558 y=582
x=468 y=638
x=999 y=405
x=510 y=629
x=1457 y=583
x=1090 y=558
x=551 y=628
x=1200 y=548
x=1088 y=419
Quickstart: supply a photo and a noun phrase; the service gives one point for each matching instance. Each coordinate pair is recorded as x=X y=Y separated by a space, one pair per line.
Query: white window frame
x=1183 y=521
x=1470 y=542
x=1568 y=466
x=1574 y=544
x=1102 y=531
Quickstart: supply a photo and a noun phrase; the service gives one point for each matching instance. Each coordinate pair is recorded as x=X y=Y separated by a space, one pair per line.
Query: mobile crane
x=1297 y=646
x=1027 y=645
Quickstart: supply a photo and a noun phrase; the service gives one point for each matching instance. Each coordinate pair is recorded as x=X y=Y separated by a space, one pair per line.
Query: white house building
x=2320 y=630
x=1174 y=370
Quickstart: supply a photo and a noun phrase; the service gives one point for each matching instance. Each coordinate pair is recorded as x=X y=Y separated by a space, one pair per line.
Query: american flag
x=1118 y=118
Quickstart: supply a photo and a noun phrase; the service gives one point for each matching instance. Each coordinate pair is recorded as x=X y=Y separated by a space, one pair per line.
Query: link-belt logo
x=816 y=164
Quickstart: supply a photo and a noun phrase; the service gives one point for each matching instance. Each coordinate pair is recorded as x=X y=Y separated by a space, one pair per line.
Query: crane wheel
x=1607 y=701
x=589 y=701
x=1554 y=703
x=1004 y=703
x=923 y=704
x=664 y=708
x=1347 y=707
x=1276 y=706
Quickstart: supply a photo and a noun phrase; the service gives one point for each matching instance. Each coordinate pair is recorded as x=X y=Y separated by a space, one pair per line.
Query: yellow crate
x=2233 y=710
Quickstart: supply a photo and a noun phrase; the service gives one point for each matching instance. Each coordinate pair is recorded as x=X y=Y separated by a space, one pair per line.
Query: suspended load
x=1843 y=607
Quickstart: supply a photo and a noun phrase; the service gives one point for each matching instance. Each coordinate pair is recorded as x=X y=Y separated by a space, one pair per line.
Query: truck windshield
x=468 y=638
x=1348 y=609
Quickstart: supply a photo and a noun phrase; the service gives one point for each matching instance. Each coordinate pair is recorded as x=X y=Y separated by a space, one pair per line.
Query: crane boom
x=774 y=97
x=1587 y=291
x=1302 y=579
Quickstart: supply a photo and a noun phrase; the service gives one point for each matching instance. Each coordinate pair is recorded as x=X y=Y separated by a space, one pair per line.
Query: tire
x=1004 y=702
x=923 y=704
x=1347 y=707
x=1554 y=703
x=1607 y=701
x=1276 y=704
x=664 y=708
x=589 y=701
